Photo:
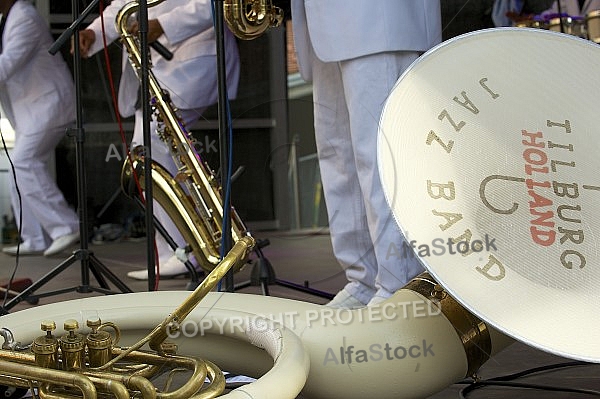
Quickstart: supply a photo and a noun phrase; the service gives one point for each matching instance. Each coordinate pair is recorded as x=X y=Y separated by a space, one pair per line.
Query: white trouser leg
x=346 y=123
x=45 y=211
x=347 y=223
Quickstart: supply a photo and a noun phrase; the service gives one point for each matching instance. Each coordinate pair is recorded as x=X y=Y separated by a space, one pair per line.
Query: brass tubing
x=144 y=386
x=217 y=385
x=45 y=392
x=133 y=382
x=198 y=368
x=111 y=381
x=236 y=255
x=196 y=380
x=30 y=372
x=107 y=386
x=116 y=388
x=18 y=357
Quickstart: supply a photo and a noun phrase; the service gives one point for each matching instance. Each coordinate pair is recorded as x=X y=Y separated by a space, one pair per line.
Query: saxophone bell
x=248 y=19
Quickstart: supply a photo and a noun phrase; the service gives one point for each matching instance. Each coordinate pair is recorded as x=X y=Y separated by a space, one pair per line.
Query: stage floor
x=298 y=257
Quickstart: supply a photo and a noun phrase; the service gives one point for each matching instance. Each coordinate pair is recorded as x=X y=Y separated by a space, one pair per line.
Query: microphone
x=162 y=50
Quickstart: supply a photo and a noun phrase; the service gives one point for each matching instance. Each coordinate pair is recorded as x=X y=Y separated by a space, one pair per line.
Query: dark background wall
x=462 y=16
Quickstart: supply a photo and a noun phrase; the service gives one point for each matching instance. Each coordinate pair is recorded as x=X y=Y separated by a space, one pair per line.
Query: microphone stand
x=224 y=143
x=89 y=263
x=149 y=203
x=151 y=224
x=560 y=17
x=262 y=273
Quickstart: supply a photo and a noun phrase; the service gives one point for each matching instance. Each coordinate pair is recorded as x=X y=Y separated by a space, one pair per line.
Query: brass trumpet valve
x=45 y=347
x=99 y=344
x=72 y=346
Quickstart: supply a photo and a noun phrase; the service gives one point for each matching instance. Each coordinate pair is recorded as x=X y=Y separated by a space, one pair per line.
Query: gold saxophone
x=192 y=198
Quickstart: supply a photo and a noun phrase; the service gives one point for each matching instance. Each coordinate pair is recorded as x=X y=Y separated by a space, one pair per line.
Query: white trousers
x=46 y=214
x=161 y=154
x=348 y=100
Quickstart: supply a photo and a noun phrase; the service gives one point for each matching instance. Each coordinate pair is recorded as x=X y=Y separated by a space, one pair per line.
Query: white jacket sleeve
x=19 y=45
x=181 y=23
x=108 y=17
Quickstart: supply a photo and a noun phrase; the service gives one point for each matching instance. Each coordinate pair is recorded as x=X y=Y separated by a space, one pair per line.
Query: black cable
x=538 y=370
x=480 y=384
x=20 y=218
x=505 y=381
x=235 y=385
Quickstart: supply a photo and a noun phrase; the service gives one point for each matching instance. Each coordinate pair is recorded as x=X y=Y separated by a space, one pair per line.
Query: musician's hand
x=154 y=29
x=518 y=17
x=87 y=37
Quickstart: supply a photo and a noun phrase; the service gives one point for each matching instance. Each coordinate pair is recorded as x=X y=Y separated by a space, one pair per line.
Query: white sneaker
x=376 y=300
x=24 y=249
x=61 y=243
x=344 y=300
x=172 y=268
x=380 y=296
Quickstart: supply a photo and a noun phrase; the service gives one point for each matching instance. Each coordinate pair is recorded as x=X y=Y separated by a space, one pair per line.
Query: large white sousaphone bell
x=494 y=137
x=489 y=159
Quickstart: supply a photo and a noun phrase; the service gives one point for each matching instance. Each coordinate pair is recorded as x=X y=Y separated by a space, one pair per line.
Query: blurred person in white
x=185 y=28
x=37 y=94
x=354 y=51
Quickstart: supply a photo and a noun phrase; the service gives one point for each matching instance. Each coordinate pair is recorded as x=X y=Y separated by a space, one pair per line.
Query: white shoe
x=380 y=296
x=24 y=249
x=61 y=243
x=172 y=268
x=344 y=300
x=376 y=300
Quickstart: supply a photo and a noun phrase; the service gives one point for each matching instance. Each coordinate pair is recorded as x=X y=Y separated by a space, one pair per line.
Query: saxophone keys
x=182 y=176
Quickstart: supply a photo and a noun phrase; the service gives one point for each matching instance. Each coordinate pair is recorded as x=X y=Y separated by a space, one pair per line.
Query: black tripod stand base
x=263 y=275
x=89 y=264
x=16 y=286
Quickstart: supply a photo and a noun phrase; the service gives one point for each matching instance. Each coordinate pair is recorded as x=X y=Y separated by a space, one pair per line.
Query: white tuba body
x=299 y=350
